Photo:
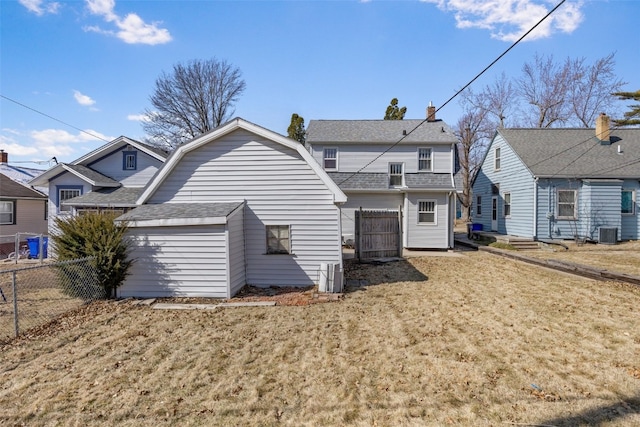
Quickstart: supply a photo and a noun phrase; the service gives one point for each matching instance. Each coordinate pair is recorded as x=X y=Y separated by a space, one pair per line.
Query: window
x=129 y=160
x=496 y=159
x=507 y=205
x=628 y=202
x=330 y=158
x=479 y=206
x=426 y=212
x=66 y=193
x=7 y=212
x=46 y=210
x=567 y=204
x=395 y=174
x=278 y=239
x=424 y=159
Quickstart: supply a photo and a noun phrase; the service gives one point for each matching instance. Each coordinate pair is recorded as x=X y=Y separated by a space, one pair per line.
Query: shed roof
x=173 y=214
x=576 y=153
x=107 y=197
x=380 y=181
x=379 y=131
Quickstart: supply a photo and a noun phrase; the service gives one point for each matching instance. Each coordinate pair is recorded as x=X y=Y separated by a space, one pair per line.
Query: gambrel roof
x=379 y=131
x=576 y=153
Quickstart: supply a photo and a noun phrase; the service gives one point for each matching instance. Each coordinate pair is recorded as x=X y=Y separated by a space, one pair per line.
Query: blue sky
x=93 y=64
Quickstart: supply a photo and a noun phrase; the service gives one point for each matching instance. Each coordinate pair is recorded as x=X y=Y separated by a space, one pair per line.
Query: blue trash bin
x=34 y=246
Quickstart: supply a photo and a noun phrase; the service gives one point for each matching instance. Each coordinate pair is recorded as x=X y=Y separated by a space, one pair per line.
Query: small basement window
x=278 y=239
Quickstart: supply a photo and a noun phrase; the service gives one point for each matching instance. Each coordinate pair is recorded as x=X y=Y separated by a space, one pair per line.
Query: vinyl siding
x=29 y=219
x=279 y=188
x=178 y=261
x=235 y=252
x=423 y=236
x=111 y=166
x=368 y=201
x=352 y=158
x=631 y=222
x=600 y=207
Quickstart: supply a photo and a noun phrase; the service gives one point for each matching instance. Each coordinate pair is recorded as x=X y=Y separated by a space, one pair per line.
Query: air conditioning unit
x=608 y=235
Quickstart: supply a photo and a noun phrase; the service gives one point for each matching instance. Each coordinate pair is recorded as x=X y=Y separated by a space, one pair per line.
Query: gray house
x=561 y=183
x=404 y=166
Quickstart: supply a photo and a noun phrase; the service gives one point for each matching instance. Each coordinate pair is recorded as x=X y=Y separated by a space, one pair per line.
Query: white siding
x=178 y=261
x=368 y=201
x=427 y=236
x=235 y=252
x=112 y=167
x=280 y=188
x=352 y=157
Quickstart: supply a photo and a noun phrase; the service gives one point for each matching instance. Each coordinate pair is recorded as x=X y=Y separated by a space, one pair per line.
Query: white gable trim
x=238 y=123
x=121 y=141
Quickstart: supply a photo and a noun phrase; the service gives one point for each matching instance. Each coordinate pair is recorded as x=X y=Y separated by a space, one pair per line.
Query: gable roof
x=576 y=153
x=379 y=131
x=234 y=124
x=15 y=190
x=116 y=144
x=87 y=174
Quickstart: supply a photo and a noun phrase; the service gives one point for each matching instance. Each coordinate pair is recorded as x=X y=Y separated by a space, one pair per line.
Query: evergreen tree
x=394 y=112
x=296 y=129
x=631 y=117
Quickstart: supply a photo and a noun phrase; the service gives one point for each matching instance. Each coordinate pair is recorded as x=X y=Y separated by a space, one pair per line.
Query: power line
x=53 y=118
x=458 y=92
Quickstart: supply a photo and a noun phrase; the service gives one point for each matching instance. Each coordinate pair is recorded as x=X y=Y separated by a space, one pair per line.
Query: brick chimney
x=603 y=131
x=4 y=157
x=431 y=113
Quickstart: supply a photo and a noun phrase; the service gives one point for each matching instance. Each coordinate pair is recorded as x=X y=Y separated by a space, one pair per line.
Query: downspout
x=451 y=213
x=535 y=208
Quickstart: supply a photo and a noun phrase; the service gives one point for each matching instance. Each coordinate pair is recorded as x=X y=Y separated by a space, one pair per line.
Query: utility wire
x=458 y=92
x=53 y=118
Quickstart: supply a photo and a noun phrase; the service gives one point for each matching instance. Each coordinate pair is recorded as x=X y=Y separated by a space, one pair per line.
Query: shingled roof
x=576 y=153
x=14 y=190
x=379 y=131
x=380 y=181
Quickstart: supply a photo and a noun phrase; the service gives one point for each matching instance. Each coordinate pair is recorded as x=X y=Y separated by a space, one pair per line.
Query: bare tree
x=544 y=86
x=497 y=100
x=592 y=89
x=195 y=98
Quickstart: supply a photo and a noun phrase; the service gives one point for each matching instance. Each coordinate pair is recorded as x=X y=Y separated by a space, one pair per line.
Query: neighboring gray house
x=238 y=205
x=561 y=183
x=393 y=165
x=108 y=178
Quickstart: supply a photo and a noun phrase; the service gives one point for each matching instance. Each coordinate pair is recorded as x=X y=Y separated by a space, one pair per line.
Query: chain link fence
x=31 y=296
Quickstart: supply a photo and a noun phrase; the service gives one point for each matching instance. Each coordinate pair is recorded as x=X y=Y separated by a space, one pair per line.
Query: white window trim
x=504 y=204
x=12 y=204
x=575 y=204
x=430 y=159
x=435 y=212
x=497 y=159
x=633 y=203
x=401 y=175
x=324 y=150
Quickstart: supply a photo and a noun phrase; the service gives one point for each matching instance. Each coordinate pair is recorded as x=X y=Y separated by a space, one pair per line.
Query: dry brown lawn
x=472 y=340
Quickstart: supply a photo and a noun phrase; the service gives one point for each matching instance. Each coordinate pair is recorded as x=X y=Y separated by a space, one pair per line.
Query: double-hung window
x=66 y=193
x=566 y=206
x=395 y=174
x=278 y=239
x=628 y=202
x=426 y=212
x=330 y=158
x=496 y=159
x=7 y=212
x=129 y=160
x=507 y=204
x=425 y=163
x=478 y=205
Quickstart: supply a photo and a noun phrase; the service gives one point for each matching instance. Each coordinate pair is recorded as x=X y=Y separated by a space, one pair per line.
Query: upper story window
x=330 y=158
x=129 y=160
x=426 y=212
x=628 y=202
x=7 y=212
x=507 y=205
x=478 y=205
x=396 y=174
x=278 y=239
x=566 y=206
x=425 y=162
x=496 y=159
x=66 y=193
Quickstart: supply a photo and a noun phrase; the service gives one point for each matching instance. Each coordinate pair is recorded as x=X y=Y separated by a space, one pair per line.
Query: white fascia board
x=90 y=181
x=173 y=222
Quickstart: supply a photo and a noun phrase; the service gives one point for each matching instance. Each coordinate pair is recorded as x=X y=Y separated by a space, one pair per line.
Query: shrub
x=94 y=235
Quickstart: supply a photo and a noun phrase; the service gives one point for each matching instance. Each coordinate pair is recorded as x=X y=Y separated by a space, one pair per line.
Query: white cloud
x=138 y=117
x=40 y=7
x=508 y=20
x=83 y=99
x=130 y=29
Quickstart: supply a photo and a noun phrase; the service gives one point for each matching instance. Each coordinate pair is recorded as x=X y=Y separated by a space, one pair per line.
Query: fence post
x=15 y=303
x=17 y=248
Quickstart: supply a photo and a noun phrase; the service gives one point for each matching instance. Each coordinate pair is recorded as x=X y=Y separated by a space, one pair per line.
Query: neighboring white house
x=108 y=178
x=391 y=165
x=238 y=205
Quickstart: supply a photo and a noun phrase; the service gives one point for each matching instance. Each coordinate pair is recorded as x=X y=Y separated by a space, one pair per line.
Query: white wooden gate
x=378 y=234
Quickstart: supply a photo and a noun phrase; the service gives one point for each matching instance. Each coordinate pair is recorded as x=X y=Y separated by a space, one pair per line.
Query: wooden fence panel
x=378 y=234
